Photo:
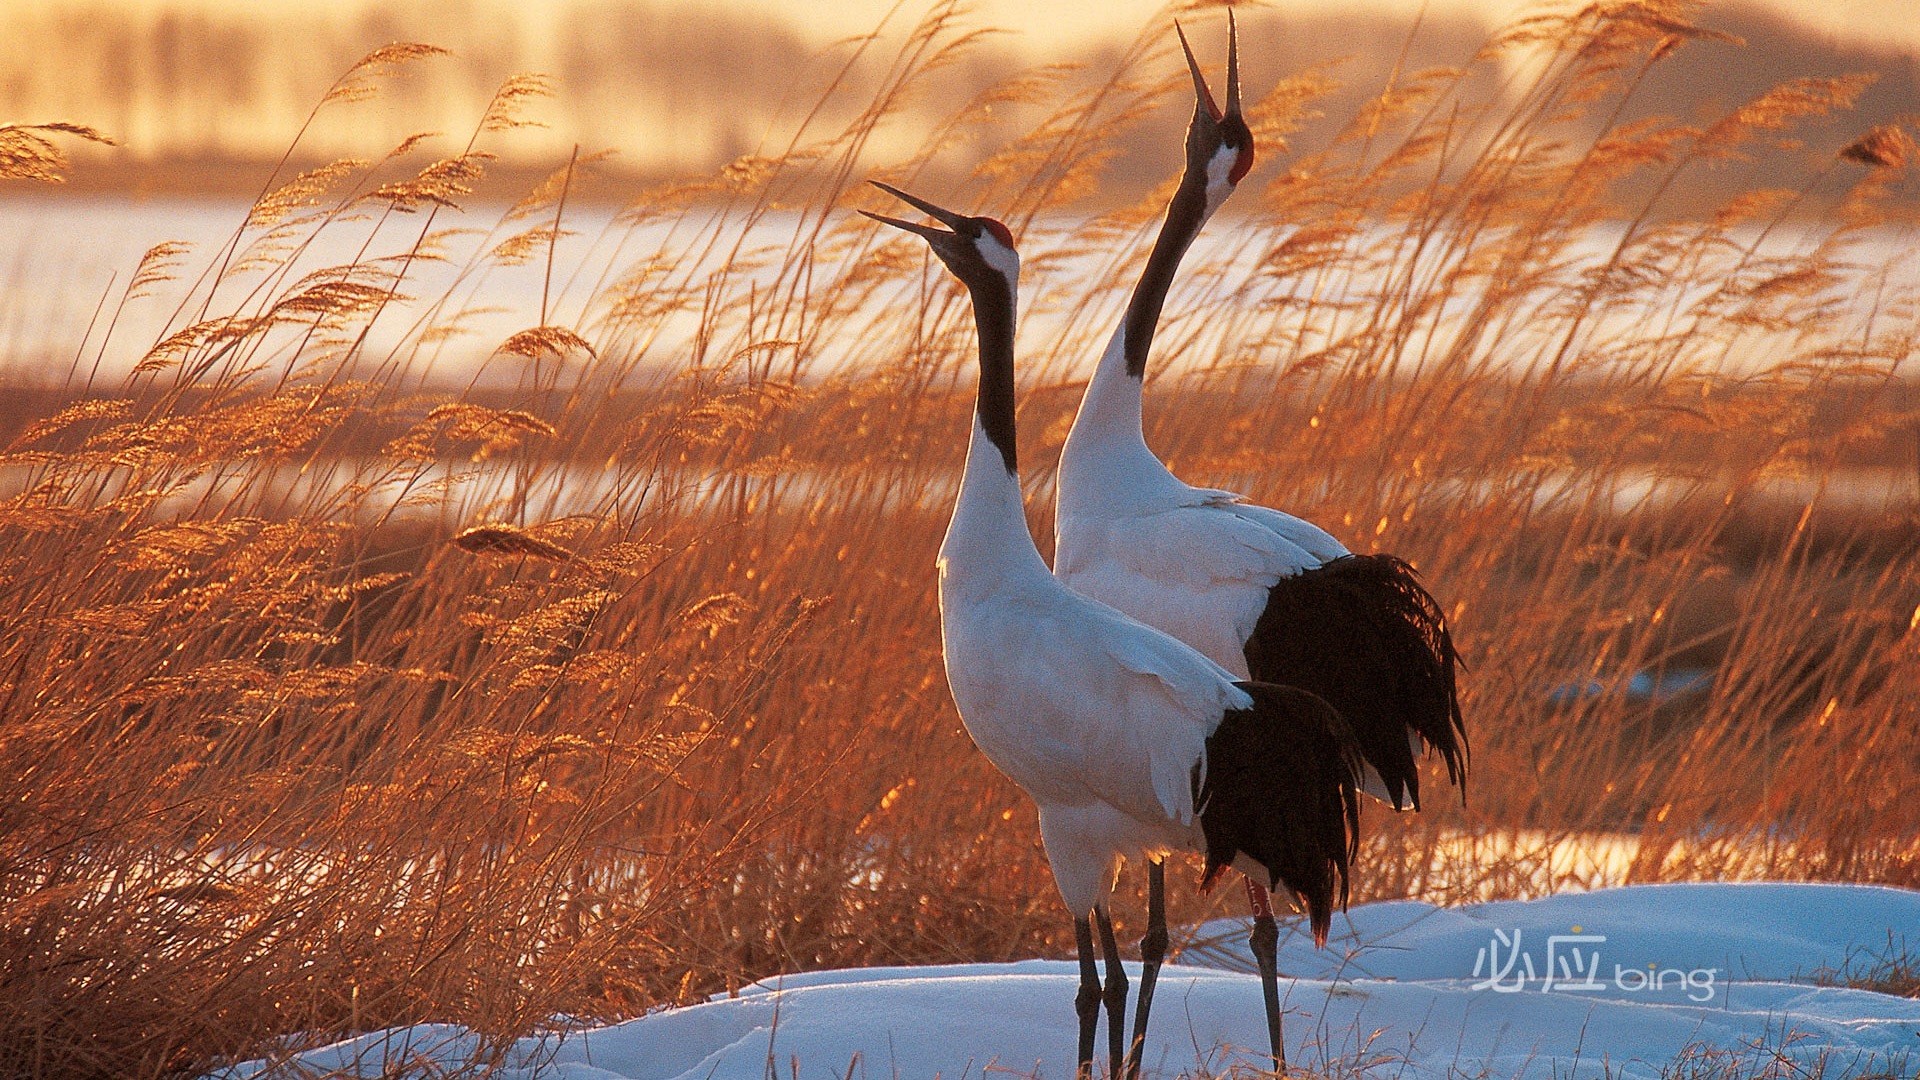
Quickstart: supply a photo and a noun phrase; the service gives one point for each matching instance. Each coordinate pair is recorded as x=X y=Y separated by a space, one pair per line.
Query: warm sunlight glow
x=468 y=521
x=687 y=85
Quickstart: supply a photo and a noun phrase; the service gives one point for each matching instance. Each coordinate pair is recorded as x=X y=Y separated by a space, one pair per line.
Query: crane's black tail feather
x=1281 y=786
x=1362 y=633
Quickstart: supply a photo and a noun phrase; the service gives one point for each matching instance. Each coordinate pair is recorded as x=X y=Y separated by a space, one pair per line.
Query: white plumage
x=1234 y=580
x=1194 y=563
x=1110 y=725
x=1266 y=595
x=1101 y=719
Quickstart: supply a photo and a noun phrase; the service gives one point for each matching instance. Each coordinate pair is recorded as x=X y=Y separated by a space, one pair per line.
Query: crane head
x=1219 y=143
x=978 y=250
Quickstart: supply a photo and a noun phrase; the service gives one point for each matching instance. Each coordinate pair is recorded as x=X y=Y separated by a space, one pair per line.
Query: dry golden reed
x=335 y=698
x=31 y=152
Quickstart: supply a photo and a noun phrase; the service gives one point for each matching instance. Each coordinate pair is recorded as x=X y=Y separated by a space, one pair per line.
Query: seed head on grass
x=508 y=540
x=30 y=152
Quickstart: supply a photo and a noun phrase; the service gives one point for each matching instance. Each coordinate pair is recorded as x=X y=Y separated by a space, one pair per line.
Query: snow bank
x=1616 y=983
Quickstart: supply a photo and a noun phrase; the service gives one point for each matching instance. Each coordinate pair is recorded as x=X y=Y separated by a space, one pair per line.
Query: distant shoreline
x=246 y=178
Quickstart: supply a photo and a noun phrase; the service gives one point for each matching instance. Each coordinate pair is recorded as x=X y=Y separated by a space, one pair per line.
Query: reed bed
x=338 y=697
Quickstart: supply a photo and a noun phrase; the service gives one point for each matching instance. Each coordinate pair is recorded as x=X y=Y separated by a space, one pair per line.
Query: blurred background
x=203 y=96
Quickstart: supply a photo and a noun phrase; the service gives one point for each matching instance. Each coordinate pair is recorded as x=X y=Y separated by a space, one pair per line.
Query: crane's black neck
x=1185 y=214
x=993 y=315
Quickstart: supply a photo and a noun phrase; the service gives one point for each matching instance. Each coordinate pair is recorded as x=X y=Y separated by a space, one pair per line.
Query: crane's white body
x=1193 y=562
x=1106 y=722
x=1101 y=719
x=1197 y=563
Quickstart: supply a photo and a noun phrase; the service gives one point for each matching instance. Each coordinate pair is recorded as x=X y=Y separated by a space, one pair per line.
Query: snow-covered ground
x=1644 y=981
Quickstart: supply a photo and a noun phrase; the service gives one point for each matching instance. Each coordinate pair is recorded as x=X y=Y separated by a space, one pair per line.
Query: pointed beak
x=1204 y=95
x=946 y=217
x=1233 y=66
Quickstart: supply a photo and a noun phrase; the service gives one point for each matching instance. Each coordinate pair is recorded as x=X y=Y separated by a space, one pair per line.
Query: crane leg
x=1086 y=1003
x=1265 y=941
x=1153 y=950
x=1115 y=996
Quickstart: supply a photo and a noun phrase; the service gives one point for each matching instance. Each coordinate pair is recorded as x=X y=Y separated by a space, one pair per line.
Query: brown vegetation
x=333 y=703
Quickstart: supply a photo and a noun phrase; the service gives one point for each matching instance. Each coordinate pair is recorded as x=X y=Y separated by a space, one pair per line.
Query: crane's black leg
x=1153 y=950
x=1116 y=998
x=1087 y=1002
x=1265 y=941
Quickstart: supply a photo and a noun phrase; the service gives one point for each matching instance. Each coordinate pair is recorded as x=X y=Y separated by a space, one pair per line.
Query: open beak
x=946 y=217
x=1200 y=90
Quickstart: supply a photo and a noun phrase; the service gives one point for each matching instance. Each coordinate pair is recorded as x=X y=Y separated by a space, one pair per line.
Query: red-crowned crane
x=1262 y=593
x=1131 y=743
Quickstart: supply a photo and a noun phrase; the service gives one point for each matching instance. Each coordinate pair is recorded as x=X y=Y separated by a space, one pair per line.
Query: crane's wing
x=1199 y=569
x=1318 y=543
x=1076 y=702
